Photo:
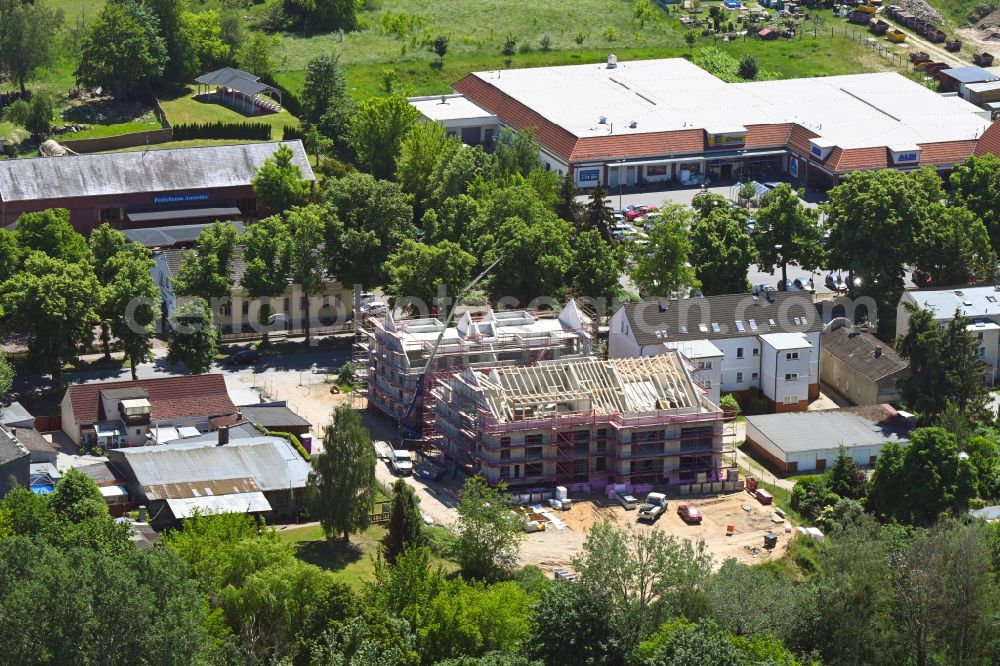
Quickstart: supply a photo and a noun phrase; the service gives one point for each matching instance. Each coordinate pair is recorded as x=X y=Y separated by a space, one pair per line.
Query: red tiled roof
x=946 y=152
x=516 y=114
x=169 y=397
x=798 y=139
x=852 y=159
x=768 y=136
x=989 y=142
x=654 y=144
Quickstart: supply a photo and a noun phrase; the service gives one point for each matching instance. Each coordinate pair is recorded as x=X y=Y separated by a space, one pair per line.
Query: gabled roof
x=989 y=142
x=830 y=428
x=170 y=235
x=719 y=317
x=863 y=353
x=148 y=171
x=173 y=256
x=169 y=397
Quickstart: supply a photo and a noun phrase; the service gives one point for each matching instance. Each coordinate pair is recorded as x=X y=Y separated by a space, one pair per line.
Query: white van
x=401 y=462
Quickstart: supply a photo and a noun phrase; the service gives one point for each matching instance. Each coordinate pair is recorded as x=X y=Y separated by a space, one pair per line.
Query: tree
x=26 y=43
x=662 y=266
x=489 y=534
x=193 y=339
x=53 y=302
x=34 y=116
x=984 y=454
x=181 y=62
x=10 y=252
x=131 y=301
x=306 y=266
x=322 y=15
x=752 y=601
x=266 y=254
x=376 y=132
x=206 y=271
x=516 y=153
x=358 y=243
x=123 y=50
x=598 y=212
x=575 y=626
x=722 y=251
x=749 y=67
x=943 y=366
x=6 y=375
x=326 y=104
x=846 y=478
x=77 y=498
x=567 y=207
x=50 y=232
x=257 y=54
x=680 y=642
x=916 y=484
x=420 y=271
x=207 y=43
x=105 y=243
x=787 y=232
x=952 y=247
x=596 y=269
x=441 y=47
x=975 y=185
x=342 y=481
x=690 y=38
x=279 y=181
x=405 y=521
x=534 y=258
x=889 y=206
x=419 y=154
x=644 y=575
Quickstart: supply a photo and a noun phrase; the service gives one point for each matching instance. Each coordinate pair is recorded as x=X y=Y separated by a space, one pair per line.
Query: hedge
x=287 y=436
x=291 y=133
x=221 y=130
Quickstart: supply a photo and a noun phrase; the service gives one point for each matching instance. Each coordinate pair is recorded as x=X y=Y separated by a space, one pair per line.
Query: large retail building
x=668 y=120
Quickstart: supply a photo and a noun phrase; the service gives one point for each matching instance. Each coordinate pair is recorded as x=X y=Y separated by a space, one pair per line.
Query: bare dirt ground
x=555 y=548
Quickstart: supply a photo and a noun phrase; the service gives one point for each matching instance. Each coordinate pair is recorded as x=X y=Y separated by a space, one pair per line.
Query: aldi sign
x=905 y=154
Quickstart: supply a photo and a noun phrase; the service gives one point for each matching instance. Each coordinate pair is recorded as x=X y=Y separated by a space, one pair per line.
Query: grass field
x=183 y=108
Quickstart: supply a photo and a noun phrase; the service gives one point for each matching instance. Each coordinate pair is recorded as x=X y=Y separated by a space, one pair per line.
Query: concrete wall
x=119 y=141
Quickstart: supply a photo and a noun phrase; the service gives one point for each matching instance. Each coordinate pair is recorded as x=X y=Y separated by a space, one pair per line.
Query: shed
x=954 y=78
x=982 y=93
x=276 y=417
x=806 y=441
x=861 y=367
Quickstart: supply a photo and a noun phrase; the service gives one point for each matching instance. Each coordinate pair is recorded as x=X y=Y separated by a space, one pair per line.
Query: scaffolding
x=642 y=413
x=395 y=353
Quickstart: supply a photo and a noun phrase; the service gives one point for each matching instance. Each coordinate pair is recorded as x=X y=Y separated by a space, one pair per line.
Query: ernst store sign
x=728 y=140
x=188 y=197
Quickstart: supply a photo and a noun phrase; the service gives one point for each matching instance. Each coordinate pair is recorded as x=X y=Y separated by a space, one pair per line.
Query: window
x=756 y=351
x=740 y=327
x=791 y=377
x=791 y=399
x=138 y=431
x=982 y=352
x=739 y=352
x=739 y=377
x=246 y=308
x=754 y=376
x=111 y=214
x=704 y=365
x=600 y=464
x=286 y=306
x=792 y=356
x=979 y=336
x=656 y=170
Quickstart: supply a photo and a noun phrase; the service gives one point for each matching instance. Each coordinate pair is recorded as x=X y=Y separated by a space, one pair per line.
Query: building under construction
x=395 y=352
x=631 y=421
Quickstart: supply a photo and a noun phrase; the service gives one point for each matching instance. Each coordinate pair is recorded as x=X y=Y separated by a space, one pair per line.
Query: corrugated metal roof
x=273 y=415
x=270 y=461
x=970 y=74
x=110 y=174
x=172 y=235
x=238 y=503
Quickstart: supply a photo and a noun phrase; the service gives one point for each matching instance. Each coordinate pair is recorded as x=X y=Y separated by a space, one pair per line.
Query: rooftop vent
x=444 y=99
x=603 y=120
x=612 y=61
x=877 y=352
x=632 y=124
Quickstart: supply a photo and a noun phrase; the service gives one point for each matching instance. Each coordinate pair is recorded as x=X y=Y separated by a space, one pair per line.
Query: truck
x=654 y=507
x=401 y=462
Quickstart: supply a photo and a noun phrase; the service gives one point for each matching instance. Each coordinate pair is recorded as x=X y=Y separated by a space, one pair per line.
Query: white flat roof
x=449 y=107
x=782 y=341
x=695 y=348
x=254 y=502
x=852 y=111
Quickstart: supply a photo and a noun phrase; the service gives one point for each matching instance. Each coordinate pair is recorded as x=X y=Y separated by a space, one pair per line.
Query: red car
x=689 y=513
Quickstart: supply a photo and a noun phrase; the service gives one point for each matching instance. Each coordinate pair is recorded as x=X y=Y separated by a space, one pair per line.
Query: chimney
x=612 y=61
x=877 y=352
x=142 y=513
x=223 y=435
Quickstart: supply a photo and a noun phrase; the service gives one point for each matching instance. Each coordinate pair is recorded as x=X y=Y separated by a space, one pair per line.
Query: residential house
x=861 y=367
x=130 y=413
x=15 y=463
x=767 y=342
x=979 y=304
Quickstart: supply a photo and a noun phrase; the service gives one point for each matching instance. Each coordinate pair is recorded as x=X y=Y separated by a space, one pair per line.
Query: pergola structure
x=238 y=89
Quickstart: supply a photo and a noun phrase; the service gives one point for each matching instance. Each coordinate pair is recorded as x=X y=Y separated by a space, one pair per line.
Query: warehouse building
x=660 y=121
x=582 y=421
x=146 y=188
x=810 y=441
x=861 y=367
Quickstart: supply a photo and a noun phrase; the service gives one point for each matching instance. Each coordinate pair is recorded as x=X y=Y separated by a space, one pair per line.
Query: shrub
x=524 y=48
x=509 y=44
x=610 y=33
x=289 y=133
x=288 y=437
x=545 y=43
x=748 y=68
x=220 y=130
x=729 y=403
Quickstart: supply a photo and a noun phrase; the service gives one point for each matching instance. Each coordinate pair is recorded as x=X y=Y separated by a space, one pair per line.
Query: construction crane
x=430 y=359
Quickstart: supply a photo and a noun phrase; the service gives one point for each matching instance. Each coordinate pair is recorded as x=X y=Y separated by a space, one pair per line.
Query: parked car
x=633 y=212
x=807 y=285
x=787 y=287
x=762 y=288
x=374 y=307
x=751 y=225
x=401 y=462
x=835 y=282
x=244 y=357
x=627 y=501
x=654 y=506
x=920 y=279
x=689 y=513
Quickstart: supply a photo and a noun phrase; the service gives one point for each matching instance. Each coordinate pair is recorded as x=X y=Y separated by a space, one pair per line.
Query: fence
x=346 y=327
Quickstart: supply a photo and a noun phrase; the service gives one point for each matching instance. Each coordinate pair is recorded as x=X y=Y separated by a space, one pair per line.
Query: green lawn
x=193 y=143
x=183 y=108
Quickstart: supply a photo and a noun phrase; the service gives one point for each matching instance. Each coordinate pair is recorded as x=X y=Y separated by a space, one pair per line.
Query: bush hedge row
x=221 y=130
x=292 y=439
